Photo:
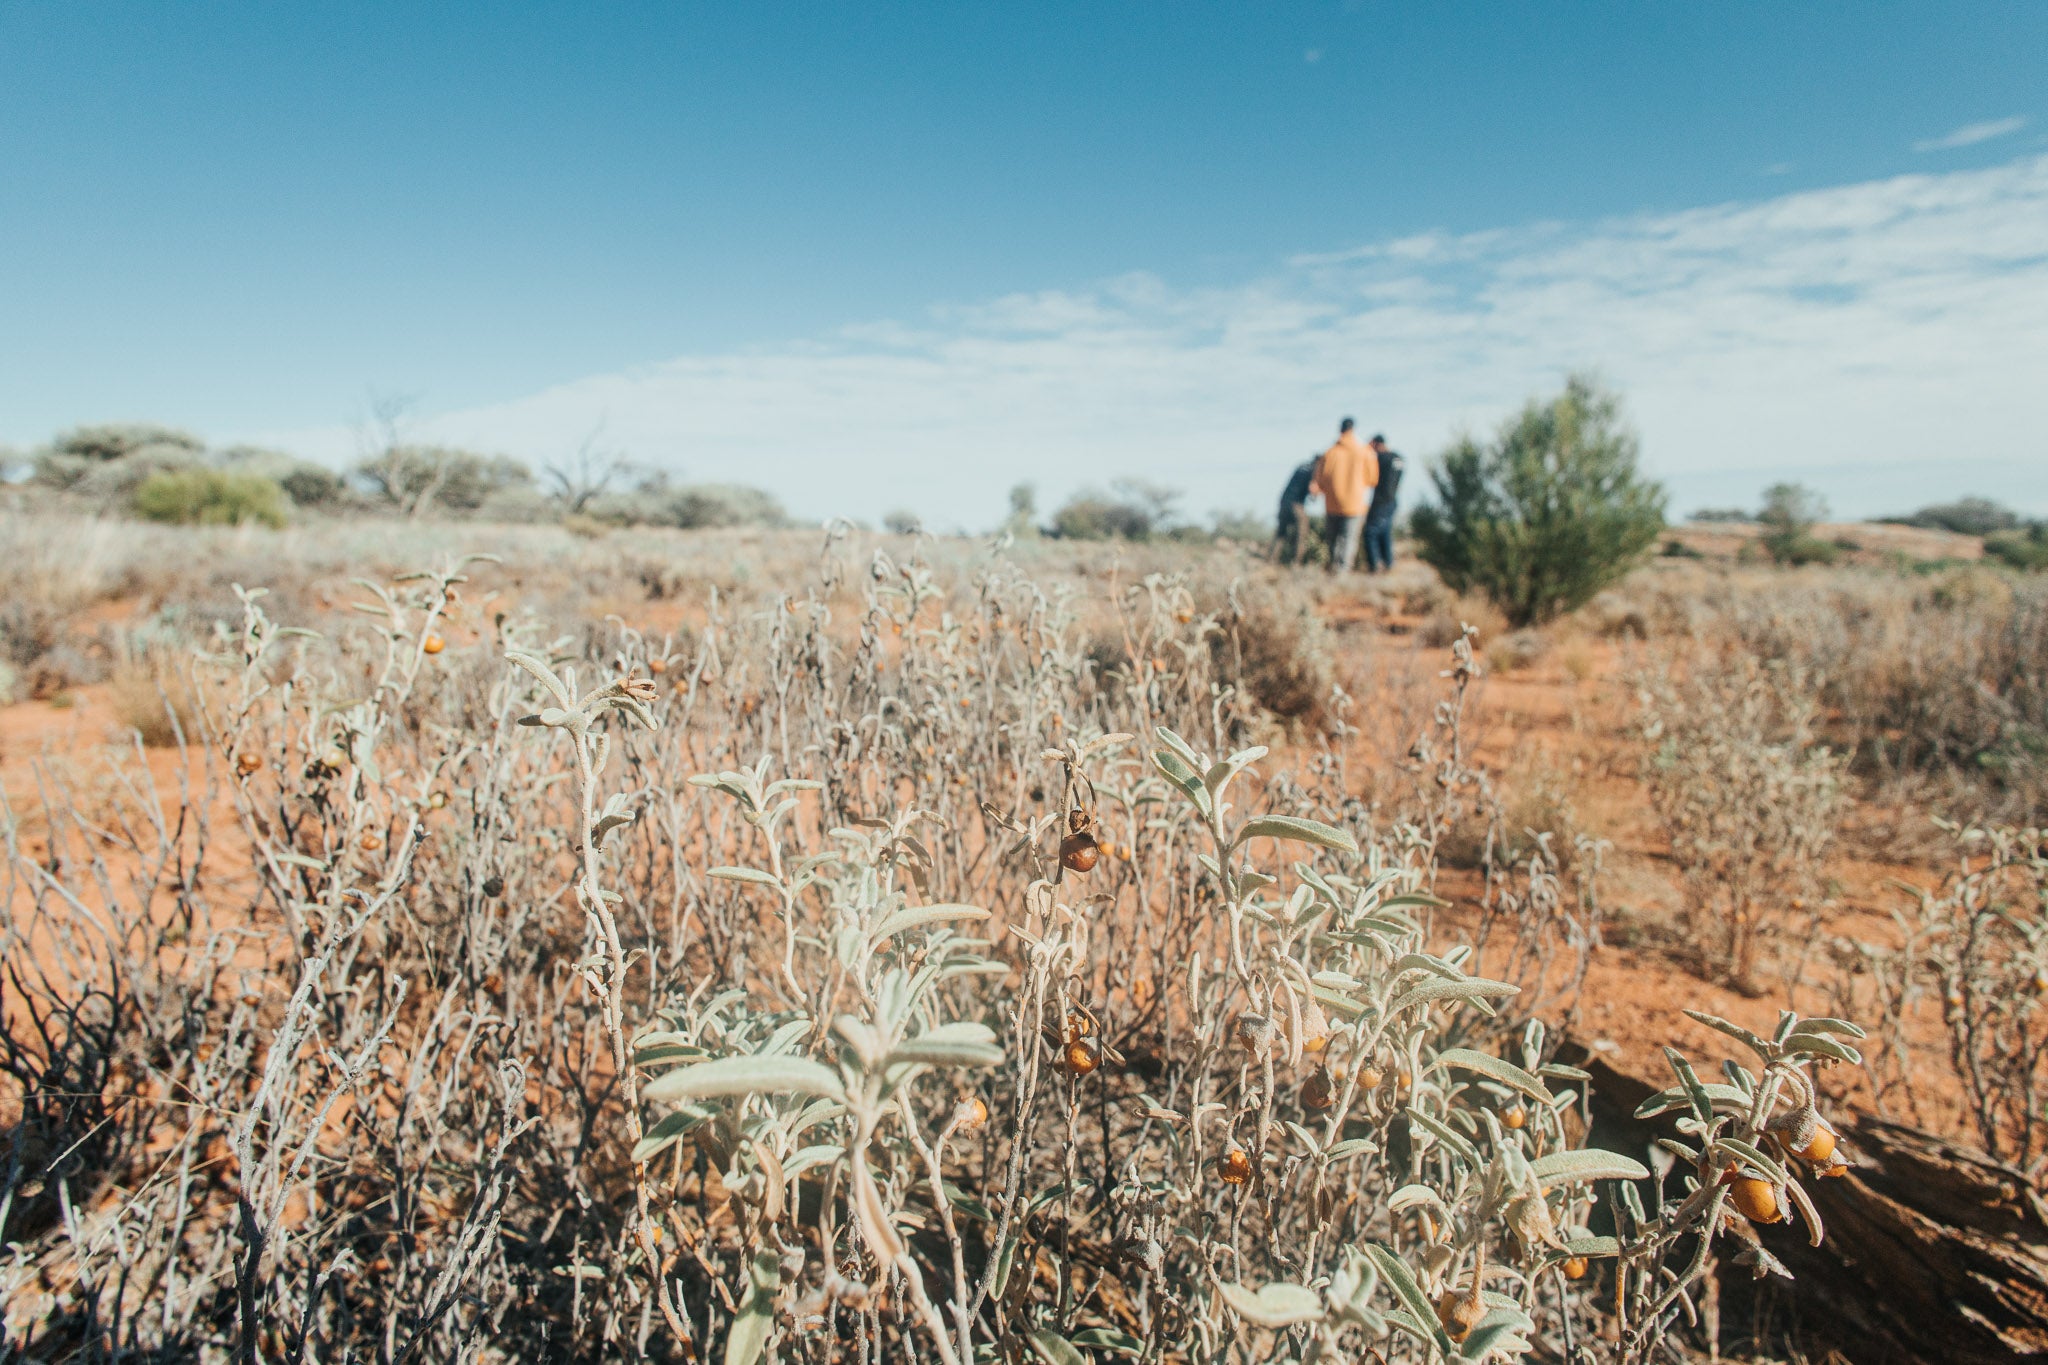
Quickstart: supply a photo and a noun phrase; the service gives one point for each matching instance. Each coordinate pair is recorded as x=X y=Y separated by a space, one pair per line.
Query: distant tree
x=1790 y=512
x=1136 y=510
x=114 y=441
x=1964 y=516
x=1721 y=514
x=902 y=523
x=417 y=480
x=1548 y=513
x=588 y=473
x=706 y=505
x=110 y=460
x=1023 y=518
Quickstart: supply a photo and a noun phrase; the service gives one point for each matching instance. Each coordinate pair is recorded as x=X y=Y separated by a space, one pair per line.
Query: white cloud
x=1970 y=134
x=1896 y=325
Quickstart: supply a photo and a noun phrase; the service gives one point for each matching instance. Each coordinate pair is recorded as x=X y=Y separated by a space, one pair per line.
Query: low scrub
x=210 y=497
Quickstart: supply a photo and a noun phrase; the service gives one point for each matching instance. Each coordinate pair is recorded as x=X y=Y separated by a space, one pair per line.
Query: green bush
x=210 y=497
x=1548 y=513
x=2027 y=549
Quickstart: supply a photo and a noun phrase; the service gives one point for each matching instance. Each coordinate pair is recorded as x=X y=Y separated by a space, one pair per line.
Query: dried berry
x=1234 y=1167
x=1079 y=852
x=433 y=644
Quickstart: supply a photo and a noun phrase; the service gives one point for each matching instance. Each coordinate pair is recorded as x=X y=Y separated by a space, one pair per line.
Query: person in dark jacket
x=1379 y=517
x=1290 y=538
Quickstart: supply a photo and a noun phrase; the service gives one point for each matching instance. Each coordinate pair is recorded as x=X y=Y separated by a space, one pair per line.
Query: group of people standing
x=1358 y=484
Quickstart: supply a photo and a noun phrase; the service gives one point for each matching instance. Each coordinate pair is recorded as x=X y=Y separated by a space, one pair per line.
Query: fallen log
x=1934 y=1251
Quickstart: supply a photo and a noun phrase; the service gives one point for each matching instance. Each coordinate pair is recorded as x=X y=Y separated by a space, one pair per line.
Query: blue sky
x=907 y=254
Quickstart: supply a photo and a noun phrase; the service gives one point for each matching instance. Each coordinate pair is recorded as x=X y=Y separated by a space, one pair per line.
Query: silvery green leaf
x=1825 y=1025
x=1723 y=1098
x=1702 y=1103
x=1052 y=1348
x=1395 y=1272
x=804 y=1158
x=1507 y=1073
x=916 y=916
x=539 y=669
x=1223 y=770
x=1495 y=1332
x=1586 y=1163
x=750 y=1330
x=1819 y=1044
x=743 y=874
x=1414 y=898
x=1751 y=1158
x=957 y=1044
x=1472 y=989
x=1303 y=1136
x=1350 y=1147
x=1279 y=1304
x=1558 y=1071
x=1735 y=1031
x=1190 y=760
x=1447 y=1135
x=1298 y=829
x=746 y=1076
x=1414 y=1196
x=968 y=1204
x=1109 y=1339
x=667 y=1131
x=1593 y=1246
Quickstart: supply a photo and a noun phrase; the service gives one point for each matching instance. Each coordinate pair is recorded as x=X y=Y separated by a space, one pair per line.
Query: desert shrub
x=1976 y=949
x=1277 y=651
x=1748 y=797
x=1133 y=510
x=1937 y=680
x=1449 y=617
x=1548 y=513
x=150 y=696
x=902 y=522
x=1248 y=528
x=702 y=506
x=1712 y=515
x=2026 y=550
x=1789 y=514
x=210 y=497
x=772 y=994
x=1965 y=517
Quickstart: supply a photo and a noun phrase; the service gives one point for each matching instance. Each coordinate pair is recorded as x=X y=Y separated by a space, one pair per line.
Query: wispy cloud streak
x=1893 y=324
x=1970 y=134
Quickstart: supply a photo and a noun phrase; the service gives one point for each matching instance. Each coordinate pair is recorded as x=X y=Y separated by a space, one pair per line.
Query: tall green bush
x=210 y=497
x=1548 y=513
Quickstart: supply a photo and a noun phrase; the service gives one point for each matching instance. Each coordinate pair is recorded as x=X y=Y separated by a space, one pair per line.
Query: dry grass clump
x=1747 y=795
x=864 y=974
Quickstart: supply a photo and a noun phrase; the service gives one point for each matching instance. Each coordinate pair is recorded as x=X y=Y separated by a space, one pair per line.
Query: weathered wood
x=1934 y=1251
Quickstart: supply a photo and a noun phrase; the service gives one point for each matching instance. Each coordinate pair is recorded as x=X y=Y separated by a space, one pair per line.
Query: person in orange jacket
x=1345 y=477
